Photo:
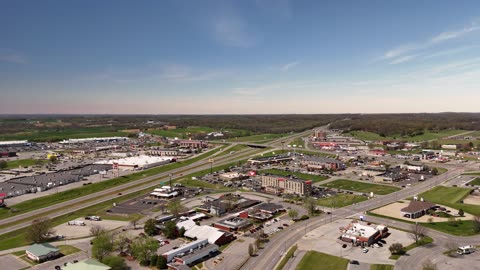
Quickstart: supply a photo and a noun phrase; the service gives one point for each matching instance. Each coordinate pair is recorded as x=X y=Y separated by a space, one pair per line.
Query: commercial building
x=164 y=192
x=362 y=235
x=196 y=255
x=90 y=140
x=88 y=264
x=42 y=252
x=233 y=176
x=233 y=224
x=164 y=152
x=191 y=143
x=416 y=209
x=213 y=235
x=14 y=143
x=138 y=162
x=277 y=184
x=314 y=163
x=169 y=255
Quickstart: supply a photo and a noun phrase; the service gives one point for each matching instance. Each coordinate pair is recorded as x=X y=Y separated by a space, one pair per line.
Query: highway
x=282 y=241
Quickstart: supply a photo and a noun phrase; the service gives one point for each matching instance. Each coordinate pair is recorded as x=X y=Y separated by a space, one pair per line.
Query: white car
x=365 y=250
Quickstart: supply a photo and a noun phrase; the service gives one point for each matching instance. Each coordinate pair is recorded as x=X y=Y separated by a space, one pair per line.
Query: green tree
x=310 y=204
x=122 y=244
x=39 y=230
x=170 y=229
x=161 y=262
x=181 y=232
x=115 y=262
x=396 y=248
x=292 y=213
x=435 y=171
x=102 y=245
x=153 y=260
x=251 y=250
x=135 y=218
x=143 y=248
x=150 y=228
x=461 y=213
x=3 y=164
x=175 y=207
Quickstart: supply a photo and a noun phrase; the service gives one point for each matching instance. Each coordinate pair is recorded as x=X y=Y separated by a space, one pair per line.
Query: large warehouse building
x=138 y=162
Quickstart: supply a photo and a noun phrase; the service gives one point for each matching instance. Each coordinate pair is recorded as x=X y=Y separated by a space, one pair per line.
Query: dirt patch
x=471 y=199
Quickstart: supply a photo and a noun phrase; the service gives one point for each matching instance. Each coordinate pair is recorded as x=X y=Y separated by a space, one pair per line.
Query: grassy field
x=361 y=187
x=428 y=135
x=381 y=267
x=423 y=241
x=67 y=249
x=64 y=196
x=314 y=178
x=459 y=228
x=183 y=133
x=64 y=133
x=475 y=182
x=298 y=142
x=341 y=200
x=25 y=163
x=260 y=138
x=287 y=257
x=450 y=196
x=316 y=260
x=367 y=136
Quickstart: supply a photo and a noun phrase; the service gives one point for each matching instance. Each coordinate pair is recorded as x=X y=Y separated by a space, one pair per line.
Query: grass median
x=316 y=260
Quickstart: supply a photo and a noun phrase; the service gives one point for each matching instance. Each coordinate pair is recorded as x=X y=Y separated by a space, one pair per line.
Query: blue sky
x=220 y=57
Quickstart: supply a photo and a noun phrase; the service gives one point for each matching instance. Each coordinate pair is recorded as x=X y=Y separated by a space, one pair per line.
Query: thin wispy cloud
x=11 y=56
x=182 y=73
x=403 y=53
x=290 y=65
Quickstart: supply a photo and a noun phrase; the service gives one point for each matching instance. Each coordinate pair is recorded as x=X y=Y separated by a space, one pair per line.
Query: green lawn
x=25 y=163
x=341 y=200
x=298 y=142
x=361 y=187
x=316 y=260
x=475 y=181
x=460 y=228
x=472 y=173
x=257 y=138
x=61 y=133
x=381 y=267
x=287 y=257
x=67 y=249
x=304 y=176
x=450 y=196
x=67 y=195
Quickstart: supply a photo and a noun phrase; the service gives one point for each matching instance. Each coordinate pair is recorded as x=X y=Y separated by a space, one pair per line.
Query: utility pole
x=170 y=175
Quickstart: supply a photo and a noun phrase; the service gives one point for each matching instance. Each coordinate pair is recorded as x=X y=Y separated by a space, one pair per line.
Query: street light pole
x=170 y=180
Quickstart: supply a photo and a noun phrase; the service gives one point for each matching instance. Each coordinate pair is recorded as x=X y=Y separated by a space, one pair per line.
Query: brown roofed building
x=416 y=209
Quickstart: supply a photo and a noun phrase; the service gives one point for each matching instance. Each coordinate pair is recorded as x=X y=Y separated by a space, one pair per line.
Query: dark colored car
x=354 y=262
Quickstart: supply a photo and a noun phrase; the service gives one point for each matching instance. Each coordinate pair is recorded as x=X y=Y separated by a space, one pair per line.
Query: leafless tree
x=417 y=232
x=428 y=265
x=452 y=248
x=96 y=230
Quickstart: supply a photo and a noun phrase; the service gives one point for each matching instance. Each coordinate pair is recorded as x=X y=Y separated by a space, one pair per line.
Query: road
x=282 y=241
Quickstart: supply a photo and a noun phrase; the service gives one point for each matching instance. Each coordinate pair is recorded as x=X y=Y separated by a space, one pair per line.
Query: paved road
x=276 y=246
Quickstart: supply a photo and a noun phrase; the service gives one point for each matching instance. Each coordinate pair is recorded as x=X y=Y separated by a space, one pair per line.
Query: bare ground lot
x=393 y=210
x=325 y=239
x=470 y=199
x=72 y=231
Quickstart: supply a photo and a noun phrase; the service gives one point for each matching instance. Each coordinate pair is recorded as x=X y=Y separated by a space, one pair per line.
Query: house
x=416 y=209
x=42 y=252
x=88 y=264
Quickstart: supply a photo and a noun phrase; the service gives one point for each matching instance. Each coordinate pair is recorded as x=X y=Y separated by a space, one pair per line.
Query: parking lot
x=138 y=205
x=75 y=231
x=325 y=239
x=12 y=262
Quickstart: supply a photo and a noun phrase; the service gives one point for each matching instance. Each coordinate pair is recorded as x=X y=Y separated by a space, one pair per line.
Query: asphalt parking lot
x=137 y=205
x=11 y=262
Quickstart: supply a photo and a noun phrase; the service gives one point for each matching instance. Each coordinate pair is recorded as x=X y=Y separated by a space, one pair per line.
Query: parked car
x=365 y=250
x=354 y=262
